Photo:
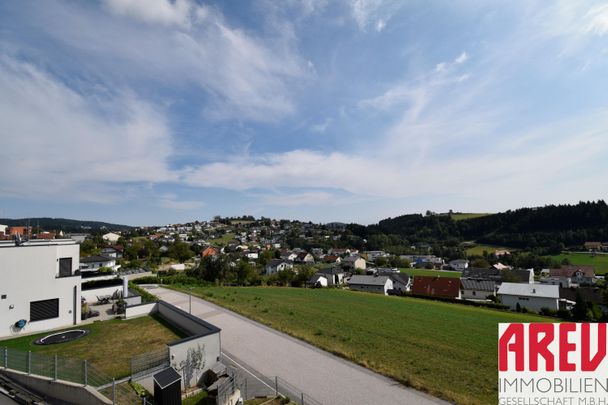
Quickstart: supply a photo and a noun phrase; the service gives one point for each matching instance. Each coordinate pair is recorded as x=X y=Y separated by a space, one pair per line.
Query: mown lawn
x=425 y=272
x=448 y=350
x=110 y=344
x=599 y=262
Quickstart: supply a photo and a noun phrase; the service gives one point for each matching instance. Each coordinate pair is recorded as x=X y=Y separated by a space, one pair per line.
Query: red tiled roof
x=210 y=251
x=570 y=270
x=447 y=287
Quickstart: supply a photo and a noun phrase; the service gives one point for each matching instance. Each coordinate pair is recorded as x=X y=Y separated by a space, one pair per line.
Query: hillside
x=551 y=227
x=63 y=224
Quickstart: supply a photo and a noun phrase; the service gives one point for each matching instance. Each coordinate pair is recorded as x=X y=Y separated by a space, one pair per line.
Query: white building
x=375 y=284
x=531 y=296
x=459 y=264
x=111 y=237
x=40 y=288
x=94 y=263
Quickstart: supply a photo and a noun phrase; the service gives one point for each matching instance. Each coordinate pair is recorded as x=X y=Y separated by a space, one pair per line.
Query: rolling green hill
x=63 y=224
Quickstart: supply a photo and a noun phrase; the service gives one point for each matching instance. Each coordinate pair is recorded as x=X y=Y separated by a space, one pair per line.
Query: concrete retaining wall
x=67 y=392
x=140 y=310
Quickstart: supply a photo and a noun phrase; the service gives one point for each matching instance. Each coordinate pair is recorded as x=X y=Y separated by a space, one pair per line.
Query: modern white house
x=40 y=288
x=531 y=296
x=375 y=284
x=334 y=276
x=94 y=263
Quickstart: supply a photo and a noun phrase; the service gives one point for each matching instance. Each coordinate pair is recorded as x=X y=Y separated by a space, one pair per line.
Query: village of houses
x=548 y=290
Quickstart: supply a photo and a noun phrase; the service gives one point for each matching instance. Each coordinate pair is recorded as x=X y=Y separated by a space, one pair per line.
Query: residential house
x=305 y=258
x=441 y=287
x=501 y=252
x=530 y=296
x=353 y=263
x=335 y=275
x=401 y=281
x=500 y=266
x=210 y=251
x=375 y=284
x=571 y=274
x=112 y=251
x=276 y=265
x=332 y=259
x=40 y=288
x=372 y=255
x=317 y=252
x=318 y=280
x=459 y=264
x=593 y=246
x=476 y=289
x=94 y=263
x=517 y=275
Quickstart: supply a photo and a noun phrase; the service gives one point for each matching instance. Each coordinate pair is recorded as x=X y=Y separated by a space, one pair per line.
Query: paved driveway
x=325 y=377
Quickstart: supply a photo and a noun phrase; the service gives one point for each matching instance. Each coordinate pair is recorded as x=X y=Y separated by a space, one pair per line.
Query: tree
x=579 y=313
x=180 y=251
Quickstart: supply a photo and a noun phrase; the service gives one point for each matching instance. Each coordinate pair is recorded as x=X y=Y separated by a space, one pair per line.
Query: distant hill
x=551 y=227
x=63 y=224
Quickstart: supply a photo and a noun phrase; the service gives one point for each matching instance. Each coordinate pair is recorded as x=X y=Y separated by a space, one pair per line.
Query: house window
x=46 y=309
x=3 y=296
x=473 y=292
x=65 y=267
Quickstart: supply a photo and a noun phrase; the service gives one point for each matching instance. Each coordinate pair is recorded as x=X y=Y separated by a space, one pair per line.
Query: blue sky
x=153 y=111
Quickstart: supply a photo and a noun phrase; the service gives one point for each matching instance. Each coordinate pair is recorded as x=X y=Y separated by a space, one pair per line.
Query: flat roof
x=37 y=242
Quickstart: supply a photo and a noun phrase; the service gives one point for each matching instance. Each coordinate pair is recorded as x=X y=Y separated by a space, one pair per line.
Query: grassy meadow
x=463 y=216
x=448 y=350
x=599 y=262
x=425 y=272
x=109 y=345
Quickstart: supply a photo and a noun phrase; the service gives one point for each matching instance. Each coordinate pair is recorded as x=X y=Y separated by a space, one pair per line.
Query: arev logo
x=552 y=364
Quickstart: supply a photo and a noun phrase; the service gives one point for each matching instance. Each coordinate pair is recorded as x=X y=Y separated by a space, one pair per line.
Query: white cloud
x=59 y=143
x=295 y=199
x=166 y=12
x=239 y=74
x=461 y=58
x=598 y=23
x=373 y=12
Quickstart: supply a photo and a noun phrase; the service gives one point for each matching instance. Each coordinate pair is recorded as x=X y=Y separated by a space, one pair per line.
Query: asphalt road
x=325 y=377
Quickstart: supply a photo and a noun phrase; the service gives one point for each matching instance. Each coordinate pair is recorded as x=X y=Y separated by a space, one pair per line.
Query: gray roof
x=529 y=290
x=479 y=285
x=403 y=278
x=316 y=278
x=368 y=280
x=332 y=270
x=95 y=259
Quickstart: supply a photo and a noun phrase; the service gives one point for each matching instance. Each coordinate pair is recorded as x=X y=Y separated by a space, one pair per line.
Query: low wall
x=183 y=320
x=140 y=310
x=67 y=392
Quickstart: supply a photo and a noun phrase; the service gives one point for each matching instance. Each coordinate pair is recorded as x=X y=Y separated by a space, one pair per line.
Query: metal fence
x=262 y=386
x=70 y=370
x=147 y=363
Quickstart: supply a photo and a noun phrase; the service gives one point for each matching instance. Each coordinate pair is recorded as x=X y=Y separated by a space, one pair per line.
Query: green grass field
x=448 y=350
x=110 y=344
x=223 y=240
x=425 y=272
x=599 y=262
x=477 y=250
x=463 y=216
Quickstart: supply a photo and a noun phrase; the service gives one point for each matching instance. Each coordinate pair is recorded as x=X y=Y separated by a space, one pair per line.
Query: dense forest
x=550 y=228
x=62 y=224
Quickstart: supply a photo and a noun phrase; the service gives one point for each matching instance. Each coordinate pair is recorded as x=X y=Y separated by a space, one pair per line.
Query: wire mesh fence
x=67 y=369
x=147 y=363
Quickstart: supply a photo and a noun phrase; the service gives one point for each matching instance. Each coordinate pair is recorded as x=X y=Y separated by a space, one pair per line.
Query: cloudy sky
x=154 y=111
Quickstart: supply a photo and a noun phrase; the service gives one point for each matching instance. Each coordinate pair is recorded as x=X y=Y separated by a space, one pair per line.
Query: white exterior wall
x=532 y=303
x=31 y=273
x=178 y=353
x=373 y=288
x=140 y=310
